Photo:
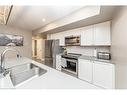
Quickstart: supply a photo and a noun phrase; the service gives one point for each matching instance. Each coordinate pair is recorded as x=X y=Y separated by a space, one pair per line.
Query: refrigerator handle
x=52 y=48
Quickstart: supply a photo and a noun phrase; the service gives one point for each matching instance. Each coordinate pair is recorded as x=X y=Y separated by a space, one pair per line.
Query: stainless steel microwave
x=72 y=40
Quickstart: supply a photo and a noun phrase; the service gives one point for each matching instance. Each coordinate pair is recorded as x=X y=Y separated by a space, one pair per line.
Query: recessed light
x=43 y=19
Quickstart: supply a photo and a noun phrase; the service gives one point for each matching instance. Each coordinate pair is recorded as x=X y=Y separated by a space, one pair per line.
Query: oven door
x=71 y=66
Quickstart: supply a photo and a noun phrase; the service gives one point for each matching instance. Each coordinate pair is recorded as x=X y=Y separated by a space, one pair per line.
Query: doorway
x=34 y=49
x=38 y=50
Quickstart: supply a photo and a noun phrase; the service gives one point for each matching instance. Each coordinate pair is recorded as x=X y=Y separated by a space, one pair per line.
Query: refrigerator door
x=48 y=53
x=56 y=49
x=49 y=62
x=48 y=48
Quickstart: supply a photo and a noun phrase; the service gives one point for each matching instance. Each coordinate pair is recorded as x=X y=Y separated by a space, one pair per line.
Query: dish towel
x=63 y=63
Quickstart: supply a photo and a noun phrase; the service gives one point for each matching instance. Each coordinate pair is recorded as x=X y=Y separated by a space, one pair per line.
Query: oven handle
x=71 y=60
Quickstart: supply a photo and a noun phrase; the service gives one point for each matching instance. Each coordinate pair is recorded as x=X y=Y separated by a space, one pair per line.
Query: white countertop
x=53 y=79
x=95 y=59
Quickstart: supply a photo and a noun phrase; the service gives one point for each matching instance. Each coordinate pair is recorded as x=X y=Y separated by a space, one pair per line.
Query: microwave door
x=72 y=40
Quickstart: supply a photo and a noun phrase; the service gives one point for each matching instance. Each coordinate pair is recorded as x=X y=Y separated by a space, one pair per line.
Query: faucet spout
x=3 y=71
x=3 y=55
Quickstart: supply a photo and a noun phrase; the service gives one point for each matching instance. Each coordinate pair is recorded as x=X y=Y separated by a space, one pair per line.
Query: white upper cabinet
x=94 y=35
x=102 y=34
x=59 y=36
x=98 y=34
x=87 y=36
x=61 y=39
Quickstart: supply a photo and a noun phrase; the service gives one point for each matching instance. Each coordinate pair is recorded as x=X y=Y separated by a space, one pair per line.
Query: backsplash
x=89 y=51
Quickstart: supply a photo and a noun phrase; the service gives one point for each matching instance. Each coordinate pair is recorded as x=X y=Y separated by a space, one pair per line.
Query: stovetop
x=71 y=55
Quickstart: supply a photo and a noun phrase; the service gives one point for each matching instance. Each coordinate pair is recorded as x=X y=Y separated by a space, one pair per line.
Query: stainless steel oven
x=70 y=65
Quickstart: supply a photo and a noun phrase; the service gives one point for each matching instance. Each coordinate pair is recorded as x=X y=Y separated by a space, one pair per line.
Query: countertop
x=95 y=59
x=53 y=79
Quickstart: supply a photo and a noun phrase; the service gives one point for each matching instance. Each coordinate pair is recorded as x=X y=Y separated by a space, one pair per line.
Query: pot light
x=43 y=19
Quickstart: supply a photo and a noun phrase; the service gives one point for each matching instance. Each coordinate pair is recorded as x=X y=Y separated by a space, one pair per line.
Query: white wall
x=119 y=46
x=25 y=50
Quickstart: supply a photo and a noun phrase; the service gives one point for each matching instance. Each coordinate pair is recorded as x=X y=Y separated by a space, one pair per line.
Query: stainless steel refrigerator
x=52 y=48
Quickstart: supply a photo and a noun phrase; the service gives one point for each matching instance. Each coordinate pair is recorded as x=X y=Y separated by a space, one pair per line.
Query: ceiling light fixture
x=5 y=13
x=43 y=19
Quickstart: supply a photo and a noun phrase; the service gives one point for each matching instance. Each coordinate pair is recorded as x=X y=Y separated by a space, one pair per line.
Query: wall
x=89 y=51
x=119 y=46
x=25 y=50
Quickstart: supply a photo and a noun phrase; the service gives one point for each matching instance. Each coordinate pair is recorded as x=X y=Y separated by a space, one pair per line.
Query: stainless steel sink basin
x=24 y=72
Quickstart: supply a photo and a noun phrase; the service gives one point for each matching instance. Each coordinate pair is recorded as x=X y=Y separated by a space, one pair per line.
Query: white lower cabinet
x=85 y=70
x=98 y=73
x=58 y=62
x=103 y=74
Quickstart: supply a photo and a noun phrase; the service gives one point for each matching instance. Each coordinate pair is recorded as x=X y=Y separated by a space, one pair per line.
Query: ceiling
x=106 y=13
x=33 y=17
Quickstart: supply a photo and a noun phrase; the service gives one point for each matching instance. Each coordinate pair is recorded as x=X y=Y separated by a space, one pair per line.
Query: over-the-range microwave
x=72 y=40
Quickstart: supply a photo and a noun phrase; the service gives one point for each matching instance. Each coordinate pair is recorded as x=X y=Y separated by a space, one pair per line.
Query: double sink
x=21 y=73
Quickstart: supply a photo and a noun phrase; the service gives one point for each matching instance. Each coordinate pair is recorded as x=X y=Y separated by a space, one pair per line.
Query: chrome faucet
x=2 y=67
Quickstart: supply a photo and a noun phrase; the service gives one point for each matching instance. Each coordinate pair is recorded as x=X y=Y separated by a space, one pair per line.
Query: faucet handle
x=6 y=71
x=19 y=56
x=3 y=72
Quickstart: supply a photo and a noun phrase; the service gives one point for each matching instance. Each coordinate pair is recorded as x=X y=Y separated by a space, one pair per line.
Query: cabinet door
x=85 y=70
x=102 y=34
x=58 y=62
x=103 y=74
x=62 y=41
x=87 y=36
x=61 y=38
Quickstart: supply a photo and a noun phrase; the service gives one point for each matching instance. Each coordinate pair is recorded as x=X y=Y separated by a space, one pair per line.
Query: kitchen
x=77 y=48
x=86 y=56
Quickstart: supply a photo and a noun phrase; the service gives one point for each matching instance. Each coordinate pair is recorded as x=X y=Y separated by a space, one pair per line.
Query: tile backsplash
x=89 y=51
